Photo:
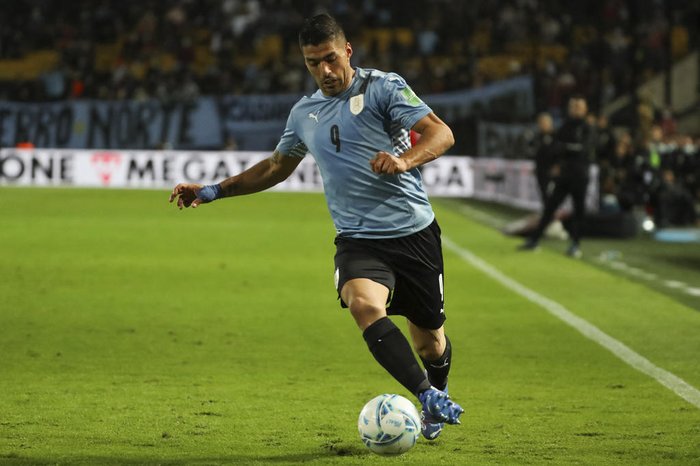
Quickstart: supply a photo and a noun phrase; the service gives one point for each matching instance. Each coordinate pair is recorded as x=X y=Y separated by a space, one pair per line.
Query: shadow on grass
x=680 y=259
x=17 y=459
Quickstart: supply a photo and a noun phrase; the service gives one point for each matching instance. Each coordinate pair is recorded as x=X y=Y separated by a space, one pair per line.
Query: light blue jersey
x=343 y=133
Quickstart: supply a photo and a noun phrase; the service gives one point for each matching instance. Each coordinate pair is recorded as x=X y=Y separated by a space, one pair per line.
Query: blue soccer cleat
x=430 y=426
x=438 y=409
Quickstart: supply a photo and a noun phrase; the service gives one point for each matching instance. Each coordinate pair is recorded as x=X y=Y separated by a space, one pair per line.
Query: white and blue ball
x=389 y=425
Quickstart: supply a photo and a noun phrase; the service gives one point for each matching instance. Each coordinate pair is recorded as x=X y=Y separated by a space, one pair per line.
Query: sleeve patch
x=411 y=97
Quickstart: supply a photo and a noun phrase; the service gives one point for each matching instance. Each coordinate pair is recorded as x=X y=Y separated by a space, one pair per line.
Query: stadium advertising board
x=504 y=140
x=123 y=124
x=448 y=176
x=253 y=122
x=512 y=182
x=509 y=182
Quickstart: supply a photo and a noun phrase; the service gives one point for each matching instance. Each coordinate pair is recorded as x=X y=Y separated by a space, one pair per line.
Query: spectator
x=211 y=36
x=574 y=145
x=672 y=203
x=605 y=139
x=544 y=153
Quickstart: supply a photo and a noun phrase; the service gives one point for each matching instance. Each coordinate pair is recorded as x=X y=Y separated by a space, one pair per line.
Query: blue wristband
x=210 y=193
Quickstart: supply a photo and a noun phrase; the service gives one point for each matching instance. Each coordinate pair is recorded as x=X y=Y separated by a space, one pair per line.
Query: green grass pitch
x=134 y=333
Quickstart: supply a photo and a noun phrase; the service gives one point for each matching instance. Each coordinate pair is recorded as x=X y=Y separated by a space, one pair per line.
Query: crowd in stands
x=660 y=173
x=112 y=49
x=178 y=50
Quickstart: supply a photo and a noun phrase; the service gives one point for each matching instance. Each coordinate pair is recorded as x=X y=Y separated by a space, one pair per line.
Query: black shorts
x=410 y=267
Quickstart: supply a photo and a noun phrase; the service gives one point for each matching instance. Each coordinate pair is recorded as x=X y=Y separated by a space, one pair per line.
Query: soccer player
x=388 y=252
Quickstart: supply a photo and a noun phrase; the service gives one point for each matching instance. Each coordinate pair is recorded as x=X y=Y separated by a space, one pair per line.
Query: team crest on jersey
x=357 y=103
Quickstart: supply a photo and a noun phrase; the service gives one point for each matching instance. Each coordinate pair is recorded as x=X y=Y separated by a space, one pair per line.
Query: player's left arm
x=436 y=138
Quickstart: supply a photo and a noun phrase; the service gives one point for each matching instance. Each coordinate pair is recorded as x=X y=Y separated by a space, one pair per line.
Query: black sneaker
x=574 y=251
x=529 y=245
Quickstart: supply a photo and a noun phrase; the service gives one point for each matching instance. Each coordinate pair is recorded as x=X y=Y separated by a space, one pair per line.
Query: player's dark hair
x=319 y=29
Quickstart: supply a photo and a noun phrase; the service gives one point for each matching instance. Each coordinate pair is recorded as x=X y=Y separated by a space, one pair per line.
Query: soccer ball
x=389 y=425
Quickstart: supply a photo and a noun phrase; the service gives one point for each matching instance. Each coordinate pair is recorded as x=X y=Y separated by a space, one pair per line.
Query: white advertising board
x=448 y=176
x=509 y=182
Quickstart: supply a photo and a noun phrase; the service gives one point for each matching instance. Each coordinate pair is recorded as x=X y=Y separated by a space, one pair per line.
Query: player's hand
x=186 y=195
x=387 y=164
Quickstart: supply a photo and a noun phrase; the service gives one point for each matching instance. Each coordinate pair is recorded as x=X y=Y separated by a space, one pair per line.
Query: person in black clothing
x=544 y=153
x=574 y=145
x=672 y=202
x=605 y=140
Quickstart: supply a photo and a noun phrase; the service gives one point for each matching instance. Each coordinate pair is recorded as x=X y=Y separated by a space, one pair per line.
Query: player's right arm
x=259 y=177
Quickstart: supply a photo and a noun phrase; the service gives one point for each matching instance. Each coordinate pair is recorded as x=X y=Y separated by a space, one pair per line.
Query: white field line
x=637 y=272
x=674 y=284
x=590 y=331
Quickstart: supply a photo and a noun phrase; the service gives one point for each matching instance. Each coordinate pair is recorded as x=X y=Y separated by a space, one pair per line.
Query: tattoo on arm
x=276 y=157
x=228 y=187
x=248 y=181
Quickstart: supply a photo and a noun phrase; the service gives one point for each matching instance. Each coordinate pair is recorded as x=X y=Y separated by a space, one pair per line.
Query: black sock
x=391 y=349
x=440 y=368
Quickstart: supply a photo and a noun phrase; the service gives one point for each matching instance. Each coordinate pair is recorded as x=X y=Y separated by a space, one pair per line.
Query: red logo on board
x=105 y=163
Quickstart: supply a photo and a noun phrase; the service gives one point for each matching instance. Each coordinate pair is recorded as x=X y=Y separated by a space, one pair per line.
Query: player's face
x=544 y=122
x=577 y=108
x=329 y=64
